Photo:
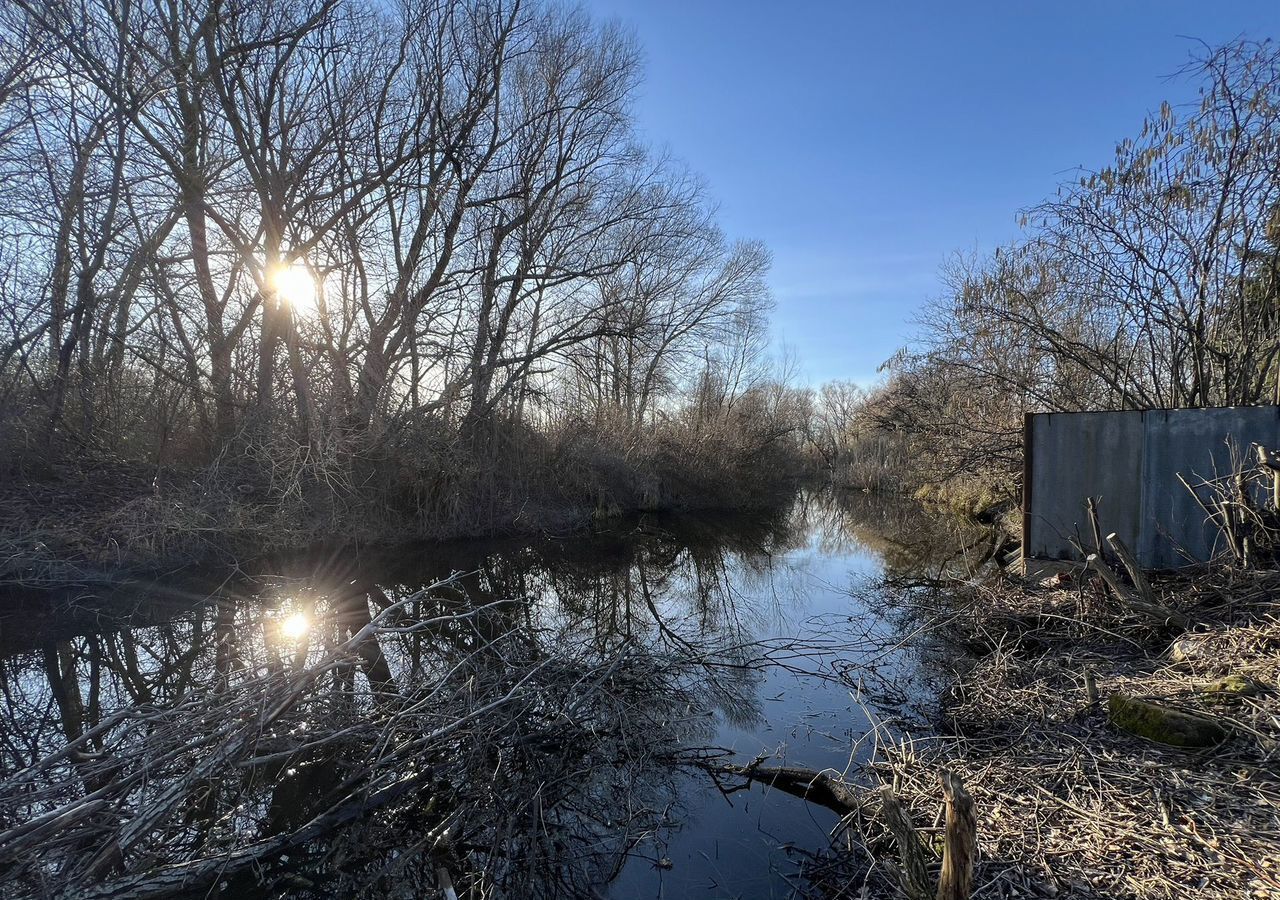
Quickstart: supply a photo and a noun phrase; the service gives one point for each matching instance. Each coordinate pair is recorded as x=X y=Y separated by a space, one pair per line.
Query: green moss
x=1163 y=725
x=1230 y=688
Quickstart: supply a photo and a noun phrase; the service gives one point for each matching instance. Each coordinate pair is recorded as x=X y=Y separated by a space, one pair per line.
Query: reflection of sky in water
x=651 y=588
x=732 y=846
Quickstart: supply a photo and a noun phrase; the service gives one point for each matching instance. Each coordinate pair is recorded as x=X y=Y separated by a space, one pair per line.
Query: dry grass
x=1068 y=804
x=69 y=516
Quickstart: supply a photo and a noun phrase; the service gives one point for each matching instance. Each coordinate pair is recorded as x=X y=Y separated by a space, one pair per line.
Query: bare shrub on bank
x=1149 y=282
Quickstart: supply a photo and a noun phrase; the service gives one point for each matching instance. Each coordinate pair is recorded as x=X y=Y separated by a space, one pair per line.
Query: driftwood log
x=807 y=784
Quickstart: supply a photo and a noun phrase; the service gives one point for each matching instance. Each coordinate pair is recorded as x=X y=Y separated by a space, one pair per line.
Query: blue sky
x=867 y=142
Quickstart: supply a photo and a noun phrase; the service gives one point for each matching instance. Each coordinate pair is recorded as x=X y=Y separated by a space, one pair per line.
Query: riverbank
x=1071 y=799
x=66 y=517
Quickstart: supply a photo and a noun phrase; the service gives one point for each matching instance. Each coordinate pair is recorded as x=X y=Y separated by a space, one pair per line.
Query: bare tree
x=1148 y=283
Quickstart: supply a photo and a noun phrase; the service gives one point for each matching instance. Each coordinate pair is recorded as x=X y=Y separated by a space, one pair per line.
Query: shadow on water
x=517 y=716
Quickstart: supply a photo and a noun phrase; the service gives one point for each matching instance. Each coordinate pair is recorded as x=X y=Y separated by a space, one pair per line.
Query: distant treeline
x=329 y=257
x=1152 y=282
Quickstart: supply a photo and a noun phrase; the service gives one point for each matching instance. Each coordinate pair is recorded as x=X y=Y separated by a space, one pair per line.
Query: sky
x=867 y=143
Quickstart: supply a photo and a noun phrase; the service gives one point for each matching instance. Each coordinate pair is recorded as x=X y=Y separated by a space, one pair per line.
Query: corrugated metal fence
x=1130 y=462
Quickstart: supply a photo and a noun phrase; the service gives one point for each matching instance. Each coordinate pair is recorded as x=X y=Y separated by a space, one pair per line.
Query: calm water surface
x=756 y=627
x=737 y=845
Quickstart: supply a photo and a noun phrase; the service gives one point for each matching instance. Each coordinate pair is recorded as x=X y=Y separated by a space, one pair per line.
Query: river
x=572 y=724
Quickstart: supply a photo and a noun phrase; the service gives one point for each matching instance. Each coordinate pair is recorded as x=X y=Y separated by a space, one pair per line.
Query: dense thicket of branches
x=1149 y=283
x=224 y=223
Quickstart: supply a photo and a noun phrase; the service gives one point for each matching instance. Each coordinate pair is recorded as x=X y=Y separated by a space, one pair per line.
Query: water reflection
x=514 y=714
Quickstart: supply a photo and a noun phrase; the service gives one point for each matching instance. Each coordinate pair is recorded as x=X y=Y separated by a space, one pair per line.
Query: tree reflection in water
x=518 y=715
x=354 y=727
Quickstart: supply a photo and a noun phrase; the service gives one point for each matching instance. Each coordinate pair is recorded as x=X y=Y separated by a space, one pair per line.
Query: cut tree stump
x=1163 y=614
x=960 y=844
x=915 y=870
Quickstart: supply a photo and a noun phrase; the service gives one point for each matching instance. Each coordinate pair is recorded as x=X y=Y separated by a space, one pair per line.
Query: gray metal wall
x=1130 y=461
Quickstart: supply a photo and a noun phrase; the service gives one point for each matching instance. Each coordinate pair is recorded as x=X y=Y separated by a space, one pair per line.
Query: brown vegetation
x=1109 y=752
x=71 y=520
x=318 y=267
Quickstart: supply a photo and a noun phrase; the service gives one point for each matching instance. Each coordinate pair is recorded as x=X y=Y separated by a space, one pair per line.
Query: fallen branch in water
x=822 y=788
x=831 y=791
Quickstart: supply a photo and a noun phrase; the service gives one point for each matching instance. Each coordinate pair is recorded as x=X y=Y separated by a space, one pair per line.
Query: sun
x=294 y=286
x=295 y=626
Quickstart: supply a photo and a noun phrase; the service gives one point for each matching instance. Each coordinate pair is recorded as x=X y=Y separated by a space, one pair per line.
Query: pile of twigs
x=1068 y=803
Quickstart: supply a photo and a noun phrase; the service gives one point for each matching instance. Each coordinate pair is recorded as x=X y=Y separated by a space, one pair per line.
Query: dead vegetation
x=75 y=517
x=1068 y=802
